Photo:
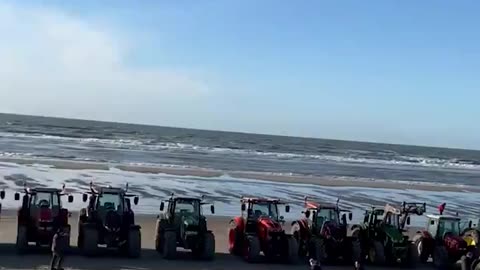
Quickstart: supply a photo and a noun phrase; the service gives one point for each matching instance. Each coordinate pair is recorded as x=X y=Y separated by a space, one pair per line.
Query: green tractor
x=382 y=235
x=184 y=225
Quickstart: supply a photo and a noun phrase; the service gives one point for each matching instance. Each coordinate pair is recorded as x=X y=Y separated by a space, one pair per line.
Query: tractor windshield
x=187 y=207
x=110 y=201
x=45 y=200
x=448 y=226
x=265 y=209
x=324 y=215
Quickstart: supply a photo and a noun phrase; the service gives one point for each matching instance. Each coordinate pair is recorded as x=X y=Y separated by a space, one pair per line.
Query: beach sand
x=150 y=259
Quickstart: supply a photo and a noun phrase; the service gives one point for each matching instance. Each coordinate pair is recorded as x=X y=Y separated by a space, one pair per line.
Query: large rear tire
x=302 y=248
x=422 y=251
x=252 y=249
x=356 y=247
x=410 y=261
x=90 y=241
x=292 y=248
x=208 y=249
x=318 y=251
x=376 y=254
x=170 y=245
x=134 y=243
x=22 y=240
x=440 y=258
x=159 y=237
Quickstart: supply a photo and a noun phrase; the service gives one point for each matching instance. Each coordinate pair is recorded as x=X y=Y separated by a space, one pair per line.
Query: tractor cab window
x=448 y=226
x=187 y=207
x=45 y=200
x=393 y=220
x=110 y=201
x=265 y=209
x=324 y=215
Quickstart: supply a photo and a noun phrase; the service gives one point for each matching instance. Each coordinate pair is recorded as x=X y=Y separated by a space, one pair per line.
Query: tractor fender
x=239 y=223
x=425 y=234
x=356 y=230
x=303 y=226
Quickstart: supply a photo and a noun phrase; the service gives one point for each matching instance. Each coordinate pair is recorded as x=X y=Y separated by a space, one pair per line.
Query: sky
x=383 y=71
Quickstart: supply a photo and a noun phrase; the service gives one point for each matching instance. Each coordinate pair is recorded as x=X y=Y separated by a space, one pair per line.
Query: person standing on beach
x=58 y=249
x=315 y=265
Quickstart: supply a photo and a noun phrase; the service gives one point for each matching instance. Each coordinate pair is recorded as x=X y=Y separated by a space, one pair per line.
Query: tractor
x=442 y=240
x=259 y=229
x=382 y=234
x=184 y=225
x=40 y=215
x=322 y=234
x=2 y=196
x=109 y=221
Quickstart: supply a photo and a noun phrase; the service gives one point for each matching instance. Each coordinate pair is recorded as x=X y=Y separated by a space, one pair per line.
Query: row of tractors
x=322 y=234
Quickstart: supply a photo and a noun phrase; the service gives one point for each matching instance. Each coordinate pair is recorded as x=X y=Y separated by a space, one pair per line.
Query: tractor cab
x=320 y=214
x=441 y=226
x=43 y=205
x=188 y=209
x=399 y=216
x=374 y=217
x=109 y=204
x=255 y=208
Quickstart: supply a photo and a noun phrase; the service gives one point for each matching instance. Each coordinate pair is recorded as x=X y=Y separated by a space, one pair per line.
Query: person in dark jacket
x=59 y=244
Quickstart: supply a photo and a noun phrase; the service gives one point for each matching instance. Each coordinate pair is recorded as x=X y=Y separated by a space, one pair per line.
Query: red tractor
x=322 y=234
x=442 y=241
x=259 y=229
x=40 y=215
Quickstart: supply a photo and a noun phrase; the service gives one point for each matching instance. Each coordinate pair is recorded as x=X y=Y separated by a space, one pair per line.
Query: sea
x=27 y=141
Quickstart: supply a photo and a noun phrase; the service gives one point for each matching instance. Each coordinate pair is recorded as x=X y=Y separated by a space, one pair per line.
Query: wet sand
x=206 y=173
x=150 y=259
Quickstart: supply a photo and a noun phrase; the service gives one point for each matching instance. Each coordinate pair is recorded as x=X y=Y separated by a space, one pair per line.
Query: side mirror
x=135 y=200
x=70 y=198
x=432 y=222
x=307 y=214
x=84 y=197
x=287 y=208
x=17 y=196
x=244 y=207
x=212 y=209
x=350 y=216
x=162 y=206
x=470 y=224
x=408 y=220
x=2 y=194
x=344 y=218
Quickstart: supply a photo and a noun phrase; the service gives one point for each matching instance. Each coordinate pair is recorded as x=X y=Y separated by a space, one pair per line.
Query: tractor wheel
x=234 y=245
x=170 y=245
x=475 y=265
x=208 y=249
x=159 y=238
x=292 y=248
x=90 y=241
x=295 y=232
x=252 y=249
x=411 y=258
x=376 y=254
x=22 y=240
x=356 y=255
x=134 y=243
x=465 y=263
x=440 y=258
x=422 y=252
x=318 y=251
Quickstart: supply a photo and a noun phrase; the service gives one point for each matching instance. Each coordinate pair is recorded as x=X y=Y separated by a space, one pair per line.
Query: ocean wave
x=360 y=157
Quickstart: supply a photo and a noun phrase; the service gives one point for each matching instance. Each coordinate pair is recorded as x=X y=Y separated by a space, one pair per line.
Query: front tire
x=376 y=254
x=208 y=249
x=252 y=249
x=22 y=240
x=134 y=243
x=292 y=248
x=318 y=250
x=170 y=245
x=440 y=258
x=90 y=241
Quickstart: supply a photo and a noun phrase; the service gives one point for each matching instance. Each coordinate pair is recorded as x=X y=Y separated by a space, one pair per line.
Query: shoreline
x=240 y=175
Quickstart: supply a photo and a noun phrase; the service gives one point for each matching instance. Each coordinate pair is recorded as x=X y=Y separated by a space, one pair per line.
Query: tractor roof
x=185 y=198
x=46 y=190
x=430 y=216
x=260 y=200
x=316 y=205
x=110 y=190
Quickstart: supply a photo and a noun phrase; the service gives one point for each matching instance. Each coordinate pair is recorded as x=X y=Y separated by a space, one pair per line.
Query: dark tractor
x=322 y=234
x=383 y=237
x=109 y=221
x=2 y=196
x=184 y=225
x=259 y=229
x=40 y=215
x=442 y=240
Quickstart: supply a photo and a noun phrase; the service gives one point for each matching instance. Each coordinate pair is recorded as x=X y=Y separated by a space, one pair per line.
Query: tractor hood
x=393 y=233
x=333 y=230
x=270 y=224
x=455 y=243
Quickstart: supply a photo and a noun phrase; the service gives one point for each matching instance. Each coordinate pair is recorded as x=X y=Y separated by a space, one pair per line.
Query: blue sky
x=385 y=71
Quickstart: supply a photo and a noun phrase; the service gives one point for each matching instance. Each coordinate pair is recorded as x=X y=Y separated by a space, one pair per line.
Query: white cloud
x=52 y=63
